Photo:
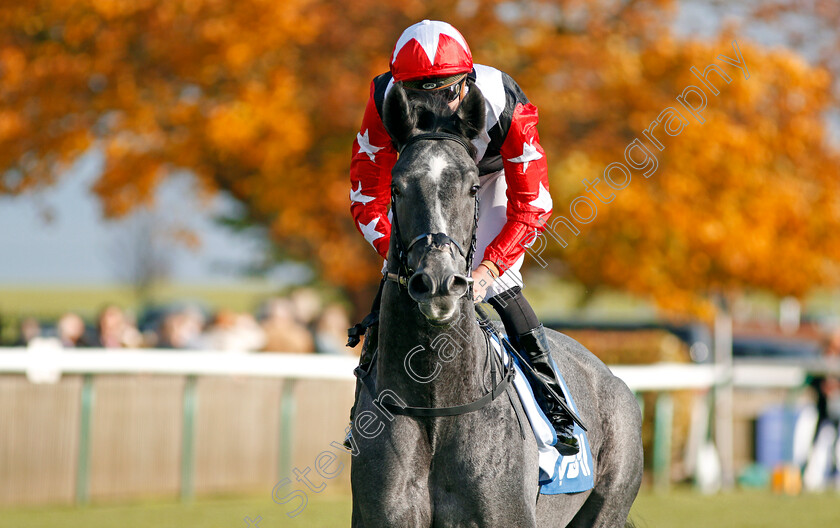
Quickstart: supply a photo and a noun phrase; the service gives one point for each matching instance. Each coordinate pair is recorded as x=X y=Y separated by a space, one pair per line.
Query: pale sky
x=76 y=246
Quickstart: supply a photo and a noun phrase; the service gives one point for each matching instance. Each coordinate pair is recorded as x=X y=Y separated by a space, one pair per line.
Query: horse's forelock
x=433 y=114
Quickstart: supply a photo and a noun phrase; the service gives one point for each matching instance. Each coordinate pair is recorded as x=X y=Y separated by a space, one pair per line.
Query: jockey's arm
x=528 y=202
x=370 y=179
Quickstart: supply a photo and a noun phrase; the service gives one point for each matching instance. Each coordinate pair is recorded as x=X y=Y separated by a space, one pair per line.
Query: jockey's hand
x=483 y=277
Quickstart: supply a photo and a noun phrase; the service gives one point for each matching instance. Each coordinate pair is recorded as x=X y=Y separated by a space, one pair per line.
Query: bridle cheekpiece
x=404 y=271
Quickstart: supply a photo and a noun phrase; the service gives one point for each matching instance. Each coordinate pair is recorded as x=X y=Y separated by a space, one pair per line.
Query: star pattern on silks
x=356 y=195
x=543 y=200
x=366 y=147
x=529 y=154
x=369 y=231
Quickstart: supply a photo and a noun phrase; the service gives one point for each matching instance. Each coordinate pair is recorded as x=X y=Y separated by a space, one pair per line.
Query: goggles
x=449 y=88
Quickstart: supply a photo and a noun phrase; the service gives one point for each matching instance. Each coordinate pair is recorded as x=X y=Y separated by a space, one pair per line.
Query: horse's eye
x=474 y=190
x=395 y=190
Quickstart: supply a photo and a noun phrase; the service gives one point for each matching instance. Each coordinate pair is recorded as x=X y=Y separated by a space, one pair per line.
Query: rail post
x=662 y=434
x=83 y=458
x=287 y=418
x=188 y=439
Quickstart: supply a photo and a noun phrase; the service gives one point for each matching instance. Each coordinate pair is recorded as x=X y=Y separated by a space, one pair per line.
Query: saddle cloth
x=558 y=474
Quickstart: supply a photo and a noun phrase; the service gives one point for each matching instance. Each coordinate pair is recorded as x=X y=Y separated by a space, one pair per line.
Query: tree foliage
x=748 y=198
x=261 y=99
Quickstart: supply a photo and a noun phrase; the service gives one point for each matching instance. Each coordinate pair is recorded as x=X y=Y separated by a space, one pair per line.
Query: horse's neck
x=446 y=364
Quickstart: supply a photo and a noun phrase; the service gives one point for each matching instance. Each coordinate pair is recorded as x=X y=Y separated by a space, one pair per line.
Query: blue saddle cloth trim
x=572 y=474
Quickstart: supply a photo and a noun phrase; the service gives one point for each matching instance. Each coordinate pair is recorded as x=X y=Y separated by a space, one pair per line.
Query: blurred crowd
x=298 y=323
x=827 y=389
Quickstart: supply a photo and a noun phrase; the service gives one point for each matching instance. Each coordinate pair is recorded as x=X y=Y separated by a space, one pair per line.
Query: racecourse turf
x=678 y=509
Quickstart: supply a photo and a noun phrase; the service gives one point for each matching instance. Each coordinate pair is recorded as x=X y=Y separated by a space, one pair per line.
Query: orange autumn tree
x=261 y=99
x=746 y=199
x=256 y=98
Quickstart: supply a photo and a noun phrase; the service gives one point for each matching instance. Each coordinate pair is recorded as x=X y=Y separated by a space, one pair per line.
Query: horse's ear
x=470 y=114
x=398 y=118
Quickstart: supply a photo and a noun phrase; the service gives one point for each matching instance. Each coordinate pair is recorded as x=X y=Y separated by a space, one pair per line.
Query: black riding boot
x=535 y=344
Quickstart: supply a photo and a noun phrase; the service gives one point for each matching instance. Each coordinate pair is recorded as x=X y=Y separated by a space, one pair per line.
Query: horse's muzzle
x=422 y=286
x=437 y=294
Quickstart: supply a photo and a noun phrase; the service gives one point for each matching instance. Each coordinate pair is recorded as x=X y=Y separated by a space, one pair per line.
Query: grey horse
x=475 y=466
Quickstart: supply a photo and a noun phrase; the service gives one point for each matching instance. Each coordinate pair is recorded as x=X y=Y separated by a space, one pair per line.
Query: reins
x=455 y=410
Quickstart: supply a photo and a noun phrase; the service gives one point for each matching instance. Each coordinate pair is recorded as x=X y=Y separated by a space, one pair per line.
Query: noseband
x=404 y=271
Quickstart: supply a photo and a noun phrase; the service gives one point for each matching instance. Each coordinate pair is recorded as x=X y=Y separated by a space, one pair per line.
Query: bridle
x=404 y=271
x=499 y=380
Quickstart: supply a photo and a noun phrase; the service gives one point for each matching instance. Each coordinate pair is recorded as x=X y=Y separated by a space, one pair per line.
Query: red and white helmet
x=430 y=49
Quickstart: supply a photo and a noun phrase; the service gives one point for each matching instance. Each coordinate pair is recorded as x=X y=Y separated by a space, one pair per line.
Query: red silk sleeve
x=370 y=179
x=529 y=202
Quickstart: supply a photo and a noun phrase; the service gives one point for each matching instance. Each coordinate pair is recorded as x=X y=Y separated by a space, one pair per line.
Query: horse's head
x=434 y=185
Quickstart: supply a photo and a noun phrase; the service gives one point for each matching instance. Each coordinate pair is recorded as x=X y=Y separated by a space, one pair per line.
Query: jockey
x=513 y=198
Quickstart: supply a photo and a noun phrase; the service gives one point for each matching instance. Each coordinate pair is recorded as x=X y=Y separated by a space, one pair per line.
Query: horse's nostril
x=447 y=284
x=456 y=285
x=421 y=285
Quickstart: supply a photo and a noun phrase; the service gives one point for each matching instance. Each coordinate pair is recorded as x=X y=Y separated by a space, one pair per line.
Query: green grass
x=679 y=509
x=321 y=512
x=752 y=509
x=53 y=300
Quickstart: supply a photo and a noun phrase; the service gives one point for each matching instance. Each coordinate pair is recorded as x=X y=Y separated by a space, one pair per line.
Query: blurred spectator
x=71 y=330
x=821 y=460
x=331 y=331
x=828 y=387
x=299 y=323
x=284 y=331
x=306 y=304
x=115 y=331
x=181 y=329
x=30 y=328
x=234 y=332
x=250 y=332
